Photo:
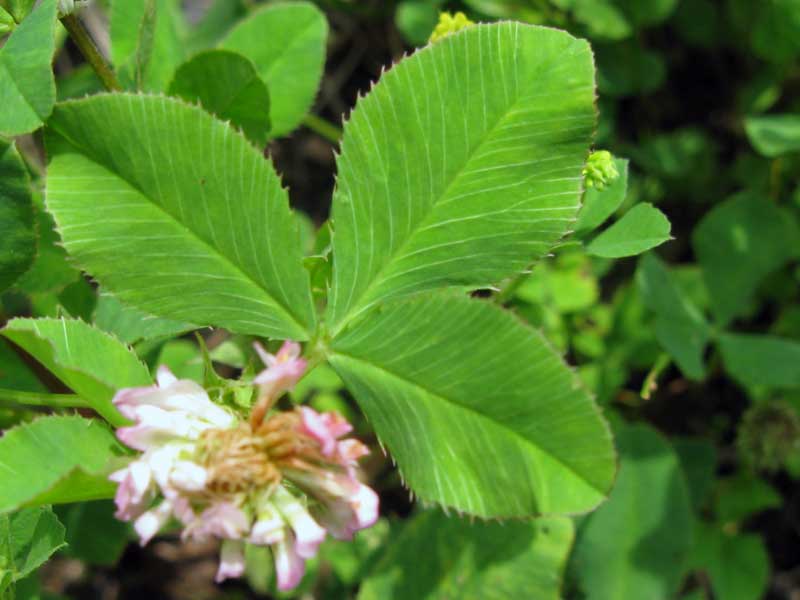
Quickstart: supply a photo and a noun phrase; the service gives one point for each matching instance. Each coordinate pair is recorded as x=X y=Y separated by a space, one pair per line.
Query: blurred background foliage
x=693 y=351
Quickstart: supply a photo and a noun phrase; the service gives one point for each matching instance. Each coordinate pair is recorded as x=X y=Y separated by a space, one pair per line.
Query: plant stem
x=42 y=399
x=90 y=52
x=329 y=131
x=650 y=384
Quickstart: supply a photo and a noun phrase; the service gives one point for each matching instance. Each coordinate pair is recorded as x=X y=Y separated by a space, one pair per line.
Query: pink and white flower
x=224 y=478
x=283 y=371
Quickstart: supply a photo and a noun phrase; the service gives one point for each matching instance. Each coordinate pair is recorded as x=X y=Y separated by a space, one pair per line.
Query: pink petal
x=231 y=560
x=325 y=428
x=222 y=519
x=282 y=372
x=134 y=492
x=350 y=451
x=288 y=351
x=366 y=505
x=289 y=566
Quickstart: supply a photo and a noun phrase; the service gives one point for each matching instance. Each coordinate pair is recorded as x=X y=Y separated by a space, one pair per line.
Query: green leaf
x=146 y=41
x=17 y=237
x=699 y=463
x=603 y=19
x=773 y=135
x=743 y=495
x=738 y=243
x=627 y=69
x=598 y=205
x=56 y=460
x=634 y=545
x=456 y=172
x=679 y=326
x=476 y=408
x=129 y=325
x=52 y=270
x=766 y=360
x=94 y=534
x=641 y=228
x=27 y=539
x=286 y=42
x=20 y=9
x=226 y=84
x=220 y=18
x=416 y=19
x=15 y=374
x=27 y=86
x=472 y=561
x=737 y=565
x=647 y=12
x=775 y=29
x=195 y=225
x=91 y=362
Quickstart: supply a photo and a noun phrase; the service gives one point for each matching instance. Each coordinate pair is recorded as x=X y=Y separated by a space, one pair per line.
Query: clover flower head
x=600 y=169
x=283 y=479
x=449 y=24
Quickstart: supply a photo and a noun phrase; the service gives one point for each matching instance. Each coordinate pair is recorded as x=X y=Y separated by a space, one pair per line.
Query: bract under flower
x=281 y=479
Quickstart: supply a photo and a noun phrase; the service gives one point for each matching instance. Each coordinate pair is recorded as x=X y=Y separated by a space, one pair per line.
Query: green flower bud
x=449 y=24
x=600 y=169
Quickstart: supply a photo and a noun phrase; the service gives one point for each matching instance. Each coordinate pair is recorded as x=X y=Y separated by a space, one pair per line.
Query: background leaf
x=177 y=215
x=226 y=84
x=94 y=534
x=477 y=410
x=91 y=362
x=472 y=561
x=455 y=172
x=17 y=237
x=679 y=325
x=635 y=544
x=738 y=243
x=129 y=325
x=286 y=42
x=57 y=459
x=27 y=87
x=641 y=228
x=27 y=539
x=764 y=360
x=736 y=564
x=146 y=41
x=773 y=135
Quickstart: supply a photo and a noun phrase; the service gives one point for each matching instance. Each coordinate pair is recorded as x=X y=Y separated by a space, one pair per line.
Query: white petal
x=165 y=377
x=231 y=560
x=152 y=521
x=188 y=476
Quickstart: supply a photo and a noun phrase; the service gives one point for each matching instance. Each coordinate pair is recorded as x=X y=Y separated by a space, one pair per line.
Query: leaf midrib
x=214 y=251
x=469 y=409
x=356 y=308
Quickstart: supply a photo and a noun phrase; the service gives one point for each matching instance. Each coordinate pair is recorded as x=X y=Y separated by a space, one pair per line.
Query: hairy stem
x=43 y=399
x=88 y=48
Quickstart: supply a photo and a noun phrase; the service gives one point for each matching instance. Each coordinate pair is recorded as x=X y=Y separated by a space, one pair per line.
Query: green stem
x=327 y=130
x=42 y=399
x=86 y=45
x=650 y=384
